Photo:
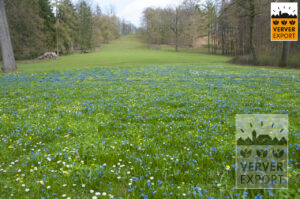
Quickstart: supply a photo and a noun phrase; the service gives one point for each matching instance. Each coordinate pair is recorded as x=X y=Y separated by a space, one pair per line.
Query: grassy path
x=126 y=51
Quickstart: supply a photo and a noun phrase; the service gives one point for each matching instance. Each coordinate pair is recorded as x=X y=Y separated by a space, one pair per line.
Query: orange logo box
x=284 y=29
x=284 y=21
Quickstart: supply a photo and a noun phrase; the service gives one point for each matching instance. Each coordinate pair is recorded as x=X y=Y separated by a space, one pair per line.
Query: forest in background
x=39 y=26
x=238 y=28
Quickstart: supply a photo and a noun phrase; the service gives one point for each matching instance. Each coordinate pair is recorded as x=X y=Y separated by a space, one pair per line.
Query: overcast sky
x=131 y=10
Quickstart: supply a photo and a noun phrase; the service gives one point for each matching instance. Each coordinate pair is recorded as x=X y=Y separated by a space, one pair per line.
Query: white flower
x=94 y=197
x=128 y=172
x=91 y=191
x=64 y=195
x=68 y=197
x=48 y=187
x=27 y=190
x=151 y=178
x=97 y=193
x=184 y=194
x=119 y=177
x=218 y=185
x=104 y=193
x=83 y=185
x=64 y=185
x=23 y=185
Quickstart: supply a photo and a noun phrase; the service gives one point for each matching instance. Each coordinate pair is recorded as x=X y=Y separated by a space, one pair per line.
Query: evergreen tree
x=49 y=22
x=85 y=26
x=26 y=28
x=66 y=26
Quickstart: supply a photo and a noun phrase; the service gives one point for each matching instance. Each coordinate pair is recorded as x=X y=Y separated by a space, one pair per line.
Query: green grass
x=127 y=51
x=160 y=131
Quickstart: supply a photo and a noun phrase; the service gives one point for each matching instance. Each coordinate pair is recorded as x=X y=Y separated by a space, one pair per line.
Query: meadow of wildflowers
x=137 y=132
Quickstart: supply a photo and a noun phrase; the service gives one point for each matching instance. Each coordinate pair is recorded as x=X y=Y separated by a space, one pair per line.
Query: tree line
x=239 y=28
x=38 y=26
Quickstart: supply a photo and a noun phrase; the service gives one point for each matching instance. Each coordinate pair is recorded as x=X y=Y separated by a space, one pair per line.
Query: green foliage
x=35 y=29
x=269 y=60
x=49 y=22
x=180 y=26
x=295 y=61
x=26 y=28
x=66 y=26
x=85 y=25
x=106 y=28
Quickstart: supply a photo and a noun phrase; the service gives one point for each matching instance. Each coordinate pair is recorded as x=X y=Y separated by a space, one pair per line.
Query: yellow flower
x=198 y=168
x=182 y=183
x=227 y=167
x=42 y=182
x=10 y=147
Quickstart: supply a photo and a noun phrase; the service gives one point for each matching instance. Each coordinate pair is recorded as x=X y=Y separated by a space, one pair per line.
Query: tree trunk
x=223 y=40
x=176 y=29
x=176 y=42
x=208 y=41
x=285 y=54
x=252 y=48
x=284 y=61
x=9 y=64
